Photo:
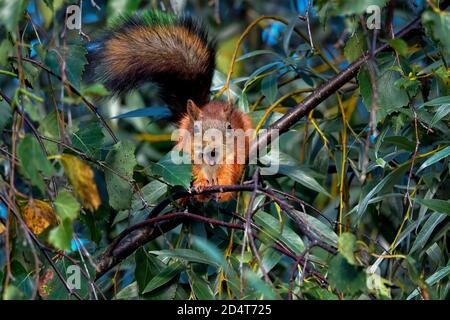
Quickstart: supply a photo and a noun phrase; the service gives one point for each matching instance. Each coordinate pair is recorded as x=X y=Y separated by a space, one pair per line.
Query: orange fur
x=214 y=115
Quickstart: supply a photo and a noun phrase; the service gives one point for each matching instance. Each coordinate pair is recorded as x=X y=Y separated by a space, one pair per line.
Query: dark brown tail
x=174 y=53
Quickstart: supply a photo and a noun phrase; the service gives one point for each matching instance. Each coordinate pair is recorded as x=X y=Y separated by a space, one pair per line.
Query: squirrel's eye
x=196 y=128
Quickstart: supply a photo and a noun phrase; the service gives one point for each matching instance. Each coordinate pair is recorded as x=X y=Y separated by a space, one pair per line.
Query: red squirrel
x=176 y=54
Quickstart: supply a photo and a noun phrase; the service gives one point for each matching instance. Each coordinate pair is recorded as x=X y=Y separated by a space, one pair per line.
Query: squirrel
x=175 y=54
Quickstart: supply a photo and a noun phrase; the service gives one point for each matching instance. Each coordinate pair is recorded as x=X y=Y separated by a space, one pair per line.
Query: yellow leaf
x=2 y=228
x=81 y=177
x=38 y=215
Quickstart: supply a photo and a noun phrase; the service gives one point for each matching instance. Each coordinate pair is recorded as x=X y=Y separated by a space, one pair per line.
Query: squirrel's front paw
x=199 y=185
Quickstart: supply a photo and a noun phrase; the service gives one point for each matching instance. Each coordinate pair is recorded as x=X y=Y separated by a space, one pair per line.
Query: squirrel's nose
x=212 y=157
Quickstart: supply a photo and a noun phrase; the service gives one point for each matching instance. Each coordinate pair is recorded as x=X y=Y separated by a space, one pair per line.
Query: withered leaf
x=81 y=177
x=44 y=288
x=38 y=215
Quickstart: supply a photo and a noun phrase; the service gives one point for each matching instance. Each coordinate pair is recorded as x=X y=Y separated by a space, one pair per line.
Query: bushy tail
x=174 y=53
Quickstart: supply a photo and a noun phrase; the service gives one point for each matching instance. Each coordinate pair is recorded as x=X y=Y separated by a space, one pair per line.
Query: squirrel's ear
x=193 y=110
x=227 y=110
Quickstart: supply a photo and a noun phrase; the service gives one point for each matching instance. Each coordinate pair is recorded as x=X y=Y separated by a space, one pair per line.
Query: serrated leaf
x=61 y=236
x=390 y=97
x=355 y=47
x=49 y=127
x=34 y=161
x=67 y=207
x=122 y=160
x=89 y=139
x=75 y=60
x=400 y=46
x=346 y=277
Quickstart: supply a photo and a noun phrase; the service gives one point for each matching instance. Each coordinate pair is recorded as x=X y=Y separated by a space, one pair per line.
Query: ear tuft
x=228 y=109
x=193 y=110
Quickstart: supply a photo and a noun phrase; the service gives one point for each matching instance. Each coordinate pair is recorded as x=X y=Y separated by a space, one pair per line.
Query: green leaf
x=438 y=156
x=153 y=191
x=346 y=277
x=438 y=25
x=440 y=206
x=200 y=287
x=116 y=9
x=67 y=207
x=186 y=255
x=34 y=161
x=6 y=50
x=384 y=184
x=61 y=236
x=433 y=279
x=427 y=230
x=5 y=114
x=299 y=175
x=50 y=128
x=272 y=226
x=121 y=159
x=11 y=12
x=147 y=267
x=401 y=142
x=261 y=289
x=390 y=97
x=95 y=90
x=347 y=247
x=437 y=102
x=400 y=46
x=75 y=60
x=130 y=292
x=315 y=226
x=89 y=139
x=164 y=276
x=269 y=87
x=355 y=47
x=440 y=114
x=13 y=293
x=243 y=103
x=348 y=7
x=173 y=173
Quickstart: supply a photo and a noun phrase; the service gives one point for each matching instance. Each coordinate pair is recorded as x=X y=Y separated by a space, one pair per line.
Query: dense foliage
x=358 y=209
